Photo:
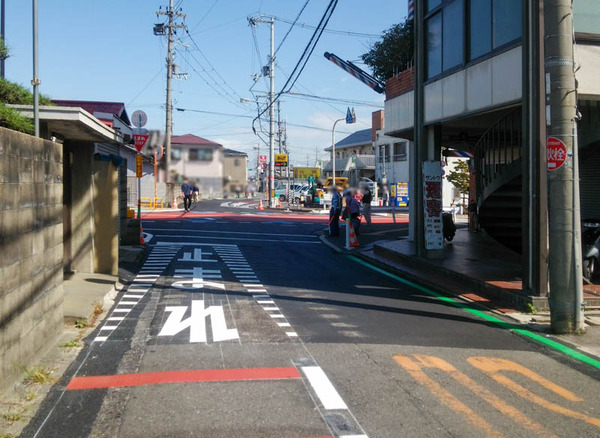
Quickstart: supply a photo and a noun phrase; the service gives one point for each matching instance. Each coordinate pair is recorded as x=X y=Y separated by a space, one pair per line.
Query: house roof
x=233 y=152
x=116 y=108
x=193 y=140
x=358 y=138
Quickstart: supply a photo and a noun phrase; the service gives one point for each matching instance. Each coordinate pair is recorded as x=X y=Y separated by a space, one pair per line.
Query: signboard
x=263 y=159
x=264 y=166
x=307 y=172
x=140 y=141
x=350 y=116
x=139 y=119
x=432 y=204
x=556 y=153
x=138 y=165
x=281 y=160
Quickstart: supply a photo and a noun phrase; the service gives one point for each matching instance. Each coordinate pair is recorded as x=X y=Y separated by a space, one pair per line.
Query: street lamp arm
x=333 y=150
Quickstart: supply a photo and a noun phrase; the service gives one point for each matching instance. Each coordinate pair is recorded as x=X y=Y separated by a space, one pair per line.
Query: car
x=281 y=191
x=300 y=193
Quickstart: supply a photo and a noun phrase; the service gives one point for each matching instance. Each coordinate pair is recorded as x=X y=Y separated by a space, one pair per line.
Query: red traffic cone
x=353 y=238
x=142 y=241
x=260 y=205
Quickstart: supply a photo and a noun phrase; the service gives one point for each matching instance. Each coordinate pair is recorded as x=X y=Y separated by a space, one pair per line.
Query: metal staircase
x=498 y=170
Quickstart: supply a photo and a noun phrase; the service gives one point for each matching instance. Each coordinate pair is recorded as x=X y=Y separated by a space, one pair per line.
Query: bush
x=10 y=118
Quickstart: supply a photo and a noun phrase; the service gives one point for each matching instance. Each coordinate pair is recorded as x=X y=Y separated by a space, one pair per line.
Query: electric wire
x=291 y=27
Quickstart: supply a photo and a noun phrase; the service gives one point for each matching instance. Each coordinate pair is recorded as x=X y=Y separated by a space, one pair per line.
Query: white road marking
x=121 y=310
x=196 y=256
x=292 y=334
x=261 y=296
x=100 y=338
x=271 y=308
x=108 y=327
x=278 y=315
x=196 y=322
x=115 y=318
x=283 y=324
x=265 y=301
x=128 y=303
x=330 y=399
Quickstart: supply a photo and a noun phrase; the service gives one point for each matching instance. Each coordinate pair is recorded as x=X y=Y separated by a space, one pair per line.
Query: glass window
x=400 y=151
x=175 y=154
x=507 y=21
x=453 y=42
x=433 y=27
x=480 y=26
x=200 y=155
x=431 y=4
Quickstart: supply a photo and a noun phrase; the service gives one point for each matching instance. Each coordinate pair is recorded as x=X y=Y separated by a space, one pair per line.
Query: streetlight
x=350 y=118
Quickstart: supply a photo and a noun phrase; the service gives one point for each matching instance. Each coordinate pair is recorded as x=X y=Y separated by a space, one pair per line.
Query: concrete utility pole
x=272 y=115
x=36 y=81
x=171 y=14
x=566 y=300
x=2 y=35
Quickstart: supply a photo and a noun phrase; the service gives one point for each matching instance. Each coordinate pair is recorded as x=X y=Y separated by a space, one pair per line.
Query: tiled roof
x=192 y=139
x=233 y=152
x=358 y=138
x=116 y=108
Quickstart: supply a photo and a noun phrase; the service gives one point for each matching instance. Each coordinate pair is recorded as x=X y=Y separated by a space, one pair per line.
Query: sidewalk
x=476 y=269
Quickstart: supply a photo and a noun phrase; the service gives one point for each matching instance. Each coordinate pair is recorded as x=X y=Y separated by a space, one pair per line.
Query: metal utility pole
x=171 y=14
x=566 y=301
x=333 y=150
x=36 y=81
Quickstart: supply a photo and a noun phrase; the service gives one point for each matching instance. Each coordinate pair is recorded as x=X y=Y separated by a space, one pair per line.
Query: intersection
x=248 y=326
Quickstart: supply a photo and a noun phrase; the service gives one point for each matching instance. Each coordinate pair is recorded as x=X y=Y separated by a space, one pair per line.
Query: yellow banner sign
x=307 y=172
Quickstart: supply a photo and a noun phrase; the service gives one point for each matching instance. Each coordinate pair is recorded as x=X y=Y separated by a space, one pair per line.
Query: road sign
x=140 y=141
x=264 y=166
x=139 y=119
x=350 y=116
x=556 y=153
x=263 y=159
x=280 y=160
x=139 y=170
x=307 y=172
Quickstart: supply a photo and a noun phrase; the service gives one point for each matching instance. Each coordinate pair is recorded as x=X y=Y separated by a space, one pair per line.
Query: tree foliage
x=3 y=49
x=459 y=177
x=393 y=53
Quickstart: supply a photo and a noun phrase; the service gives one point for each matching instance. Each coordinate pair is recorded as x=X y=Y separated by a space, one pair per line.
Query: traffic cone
x=142 y=241
x=353 y=238
x=260 y=205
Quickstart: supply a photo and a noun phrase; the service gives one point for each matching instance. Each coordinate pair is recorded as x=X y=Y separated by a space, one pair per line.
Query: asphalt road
x=241 y=323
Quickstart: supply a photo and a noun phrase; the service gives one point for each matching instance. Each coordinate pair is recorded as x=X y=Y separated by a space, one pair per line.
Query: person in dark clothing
x=366 y=204
x=334 y=213
x=353 y=207
x=186 y=192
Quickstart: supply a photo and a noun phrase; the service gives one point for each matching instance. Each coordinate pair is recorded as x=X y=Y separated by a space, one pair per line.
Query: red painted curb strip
x=114 y=381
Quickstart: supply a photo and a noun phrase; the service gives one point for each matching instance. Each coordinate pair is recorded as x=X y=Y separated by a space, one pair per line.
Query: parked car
x=590 y=239
x=281 y=191
x=300 y=193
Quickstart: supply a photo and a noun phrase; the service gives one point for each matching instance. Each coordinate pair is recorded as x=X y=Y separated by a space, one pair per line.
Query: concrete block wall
x=31 y=250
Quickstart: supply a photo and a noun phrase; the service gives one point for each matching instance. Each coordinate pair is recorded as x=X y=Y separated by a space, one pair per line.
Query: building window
x=507 y=21
x=236 y=162
x=433 y=27
x=480 y=25
x=453 y=46
x=200 y=155
x=432 y=4
x=383 y=153
x=400 y=151
x=175 y=154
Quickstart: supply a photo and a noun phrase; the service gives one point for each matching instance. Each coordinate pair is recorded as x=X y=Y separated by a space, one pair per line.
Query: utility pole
x=566 y=297
x=36 y=81
x=2 y=35
x=272 y=115
x=171 y=14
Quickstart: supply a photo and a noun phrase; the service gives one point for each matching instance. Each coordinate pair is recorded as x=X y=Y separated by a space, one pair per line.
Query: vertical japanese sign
x=432 y=204
x=139 y=170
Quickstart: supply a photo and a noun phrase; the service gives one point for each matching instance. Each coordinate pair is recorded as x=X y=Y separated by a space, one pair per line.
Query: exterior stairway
x=499 y=175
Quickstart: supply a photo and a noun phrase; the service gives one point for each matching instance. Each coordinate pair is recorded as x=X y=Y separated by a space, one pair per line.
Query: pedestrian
x=195 y=192
x=186 y=192
x=334 y=213
x=353 y=211
x=366 y=204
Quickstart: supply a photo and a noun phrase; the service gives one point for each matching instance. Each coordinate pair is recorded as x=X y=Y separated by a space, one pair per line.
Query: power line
x=313 y=41
x=205 y=14
x=338 y=32
x=291 y=27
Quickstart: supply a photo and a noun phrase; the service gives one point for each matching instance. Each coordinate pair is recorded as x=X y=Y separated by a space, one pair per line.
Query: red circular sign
x=556 y=153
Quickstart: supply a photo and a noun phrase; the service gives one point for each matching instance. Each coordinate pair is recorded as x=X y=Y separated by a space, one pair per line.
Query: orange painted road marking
x=219 y=375
x=487 y=396
x=415 y=370
x=493 y=366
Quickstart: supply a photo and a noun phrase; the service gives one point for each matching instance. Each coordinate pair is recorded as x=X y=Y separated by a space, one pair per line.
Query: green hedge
x=11 y=93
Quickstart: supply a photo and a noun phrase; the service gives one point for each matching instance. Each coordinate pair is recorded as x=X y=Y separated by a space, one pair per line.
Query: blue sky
x=106 y=50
